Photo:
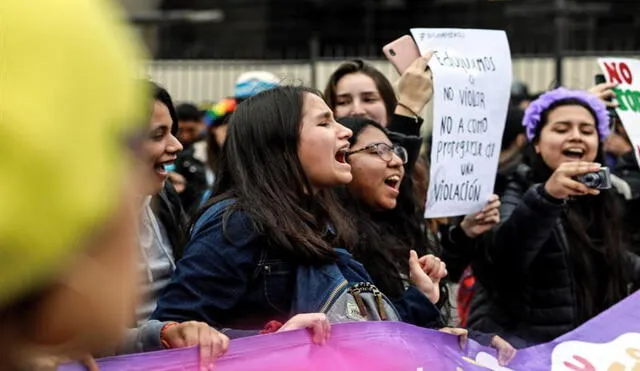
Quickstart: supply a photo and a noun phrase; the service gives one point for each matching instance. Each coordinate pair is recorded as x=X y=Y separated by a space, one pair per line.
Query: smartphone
x=599 y=79
x=401 y=52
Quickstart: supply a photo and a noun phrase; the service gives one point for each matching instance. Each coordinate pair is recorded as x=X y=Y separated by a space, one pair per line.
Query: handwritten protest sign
x=626 y=73
x=472 y=80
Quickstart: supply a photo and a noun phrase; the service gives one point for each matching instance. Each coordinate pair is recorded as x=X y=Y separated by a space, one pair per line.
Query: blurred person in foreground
x=68 y=218
x=69 y=274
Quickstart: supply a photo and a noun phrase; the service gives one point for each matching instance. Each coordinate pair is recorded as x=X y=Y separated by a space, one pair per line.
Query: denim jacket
x=229 y=278
x=317 y=287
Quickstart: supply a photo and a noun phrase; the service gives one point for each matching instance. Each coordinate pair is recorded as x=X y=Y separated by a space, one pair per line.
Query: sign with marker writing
x=626 y=73
x=472 y=84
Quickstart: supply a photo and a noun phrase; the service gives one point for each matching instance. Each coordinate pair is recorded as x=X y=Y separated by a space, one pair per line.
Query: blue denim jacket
x=229 y=278
x=316 y=287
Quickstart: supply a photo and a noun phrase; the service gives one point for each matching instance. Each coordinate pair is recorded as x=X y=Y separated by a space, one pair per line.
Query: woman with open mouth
x=161 y=239
x=270 y=242
x=560 y=255
x=388 y=234
x=358 y=91
x=381 y=172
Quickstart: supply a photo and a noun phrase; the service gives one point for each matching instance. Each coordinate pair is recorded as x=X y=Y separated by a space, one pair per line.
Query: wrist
x=466 y=229
x=163 y=334
x=434 y=296
x=409 y=107
x=548 y=196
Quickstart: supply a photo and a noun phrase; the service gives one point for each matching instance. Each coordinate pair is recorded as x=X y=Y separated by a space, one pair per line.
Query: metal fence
x=209 y=80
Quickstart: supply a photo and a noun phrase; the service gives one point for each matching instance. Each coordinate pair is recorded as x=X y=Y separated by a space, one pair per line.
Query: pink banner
x=610 y=341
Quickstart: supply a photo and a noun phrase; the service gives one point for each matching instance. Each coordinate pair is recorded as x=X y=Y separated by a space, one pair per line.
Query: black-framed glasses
x=385 y=151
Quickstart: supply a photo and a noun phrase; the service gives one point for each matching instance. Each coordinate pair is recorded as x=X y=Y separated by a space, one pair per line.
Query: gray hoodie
x=158 y=264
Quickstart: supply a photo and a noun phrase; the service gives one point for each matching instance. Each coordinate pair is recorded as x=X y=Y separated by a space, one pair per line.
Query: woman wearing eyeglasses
x=387 y=232
x=380 y=199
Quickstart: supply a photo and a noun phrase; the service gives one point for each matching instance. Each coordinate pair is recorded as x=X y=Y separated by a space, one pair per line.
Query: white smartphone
x=401 y=52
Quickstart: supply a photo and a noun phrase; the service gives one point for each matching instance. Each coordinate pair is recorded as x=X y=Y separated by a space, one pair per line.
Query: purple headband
x=533 y=113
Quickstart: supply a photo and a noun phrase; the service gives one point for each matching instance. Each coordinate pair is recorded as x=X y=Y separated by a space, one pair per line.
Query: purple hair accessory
x=533 y=113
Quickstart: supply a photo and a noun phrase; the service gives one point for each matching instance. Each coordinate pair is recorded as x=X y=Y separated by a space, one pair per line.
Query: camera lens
x=591 y=180
x=392 y=52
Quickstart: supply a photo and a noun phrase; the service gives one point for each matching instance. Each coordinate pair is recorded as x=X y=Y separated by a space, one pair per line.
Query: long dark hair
x=213 y=150
x=358 y=66
x=162 y=95
x=259 y=168
x=597 y=241
x=386 y=237
x=166 y=205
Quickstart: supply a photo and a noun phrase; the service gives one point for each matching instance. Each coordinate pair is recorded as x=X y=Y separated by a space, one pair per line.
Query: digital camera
x=600 y=179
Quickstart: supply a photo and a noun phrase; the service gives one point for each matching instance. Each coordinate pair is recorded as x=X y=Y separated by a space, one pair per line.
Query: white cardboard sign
x=472 y=85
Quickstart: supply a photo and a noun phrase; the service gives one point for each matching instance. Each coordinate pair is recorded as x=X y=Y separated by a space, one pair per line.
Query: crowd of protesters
x=130 y=223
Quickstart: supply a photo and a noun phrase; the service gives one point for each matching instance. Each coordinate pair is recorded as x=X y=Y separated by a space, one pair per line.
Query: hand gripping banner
x=609 y=342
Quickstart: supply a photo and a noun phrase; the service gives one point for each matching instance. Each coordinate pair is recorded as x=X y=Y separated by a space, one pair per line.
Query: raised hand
x=421 y=280
x=415 y=86
x=435 y=268
x=476 y=224
x=605 y=92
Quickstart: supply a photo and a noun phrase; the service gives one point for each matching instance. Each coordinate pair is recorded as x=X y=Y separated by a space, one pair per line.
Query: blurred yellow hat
x=68 y=97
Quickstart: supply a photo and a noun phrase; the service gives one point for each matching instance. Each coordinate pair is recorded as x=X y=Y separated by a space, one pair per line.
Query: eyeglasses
x=385 y=151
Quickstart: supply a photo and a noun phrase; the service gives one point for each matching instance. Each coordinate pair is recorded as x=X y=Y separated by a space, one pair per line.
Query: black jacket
x=405 y=131
x=627 y=169
x=194 y=172
x=526 y=287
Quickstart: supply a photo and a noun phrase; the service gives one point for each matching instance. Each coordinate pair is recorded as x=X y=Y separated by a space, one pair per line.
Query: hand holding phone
x=604 y=90
x=401 y=53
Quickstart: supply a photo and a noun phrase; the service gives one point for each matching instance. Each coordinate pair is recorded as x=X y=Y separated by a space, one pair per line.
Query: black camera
x=601 y=179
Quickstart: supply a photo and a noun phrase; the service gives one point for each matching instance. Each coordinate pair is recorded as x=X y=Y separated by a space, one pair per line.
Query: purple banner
x=609 y=342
